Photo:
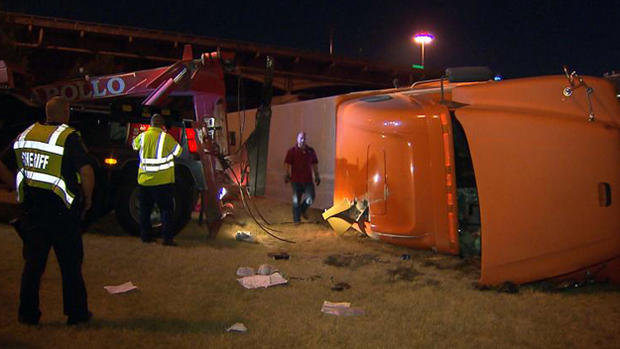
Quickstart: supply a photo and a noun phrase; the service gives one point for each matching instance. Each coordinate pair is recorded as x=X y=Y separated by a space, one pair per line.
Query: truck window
x=94 y=128
x=118 y=131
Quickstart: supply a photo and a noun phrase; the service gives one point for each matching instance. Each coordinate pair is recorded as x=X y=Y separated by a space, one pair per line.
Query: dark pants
x=303 y=196
x=61 y=232
x=162 y=195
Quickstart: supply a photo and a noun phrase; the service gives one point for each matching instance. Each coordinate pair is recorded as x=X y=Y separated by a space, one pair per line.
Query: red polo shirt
x=301 y=161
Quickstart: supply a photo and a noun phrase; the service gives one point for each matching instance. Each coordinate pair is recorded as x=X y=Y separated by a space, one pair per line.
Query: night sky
x=514 y=38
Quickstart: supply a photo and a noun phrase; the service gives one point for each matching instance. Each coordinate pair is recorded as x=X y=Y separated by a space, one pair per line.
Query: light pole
x=423 y=39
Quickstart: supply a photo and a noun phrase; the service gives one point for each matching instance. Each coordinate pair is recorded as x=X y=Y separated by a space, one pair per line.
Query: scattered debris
x=405 y=257
x=572 y=283
x=237 y=327
x=340 y=309
x=508 y=287
x=403 y=273
x=567 y=284
x=122 y=288
x=262 y=281
x=279 y=255
x=266 y=269
x=263 y=269
x=351 y=260
x=244 y=236
x=345 y=214
x=245 y=271
x=341 y=286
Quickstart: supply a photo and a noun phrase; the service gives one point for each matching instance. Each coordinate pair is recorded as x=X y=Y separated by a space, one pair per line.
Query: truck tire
x=127 y=208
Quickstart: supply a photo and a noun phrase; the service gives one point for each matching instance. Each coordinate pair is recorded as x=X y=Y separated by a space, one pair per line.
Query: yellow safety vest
x=157 y=152
x=39 y=150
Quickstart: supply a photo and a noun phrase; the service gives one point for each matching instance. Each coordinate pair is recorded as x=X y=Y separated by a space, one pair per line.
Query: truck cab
x=526 y=169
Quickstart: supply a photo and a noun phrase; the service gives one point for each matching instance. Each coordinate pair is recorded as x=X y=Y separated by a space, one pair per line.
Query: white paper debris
x=276 y=279
x=126 y=287
x=245 y=271
x=336 y=304
x=340 y=309
x=244 y=236
x=237 y=327
x=262 y=281
x=266 y=269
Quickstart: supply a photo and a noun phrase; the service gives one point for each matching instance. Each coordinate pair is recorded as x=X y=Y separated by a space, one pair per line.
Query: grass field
x=188 y=295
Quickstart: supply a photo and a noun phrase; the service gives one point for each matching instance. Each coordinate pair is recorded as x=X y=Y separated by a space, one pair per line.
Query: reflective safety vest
x=157 y=151
x=39 y=150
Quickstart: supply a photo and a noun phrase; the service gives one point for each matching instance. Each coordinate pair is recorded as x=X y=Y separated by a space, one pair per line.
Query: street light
x=423 y=39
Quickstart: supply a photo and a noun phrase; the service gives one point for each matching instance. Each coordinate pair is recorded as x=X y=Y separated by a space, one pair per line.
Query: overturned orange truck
x=524 y=172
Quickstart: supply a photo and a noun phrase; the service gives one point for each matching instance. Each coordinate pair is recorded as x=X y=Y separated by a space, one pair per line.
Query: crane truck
x=110 y=111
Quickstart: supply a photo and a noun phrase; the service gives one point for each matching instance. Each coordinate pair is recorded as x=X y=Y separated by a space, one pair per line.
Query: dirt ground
x=188 y=295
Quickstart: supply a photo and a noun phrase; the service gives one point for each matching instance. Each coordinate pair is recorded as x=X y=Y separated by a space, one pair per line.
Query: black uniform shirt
x=41 y=200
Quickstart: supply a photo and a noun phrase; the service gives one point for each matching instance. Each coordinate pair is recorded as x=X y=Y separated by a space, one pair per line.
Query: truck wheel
x=128 y=208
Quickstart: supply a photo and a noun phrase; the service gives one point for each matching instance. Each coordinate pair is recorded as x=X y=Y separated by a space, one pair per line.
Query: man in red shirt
x=300 y=164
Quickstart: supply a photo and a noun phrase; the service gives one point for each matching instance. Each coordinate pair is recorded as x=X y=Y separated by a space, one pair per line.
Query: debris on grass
x=279 y=255
x=266 y=275
x=266 y=269
x=262 y=281
x=569 y=284
x=122 y=288
x=245 y=271
x=340 y=309
x=244 y=236
x=341 y=286
x=237 y=327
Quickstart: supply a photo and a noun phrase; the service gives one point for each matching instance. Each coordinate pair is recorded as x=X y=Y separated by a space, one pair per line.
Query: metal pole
x=422 y=55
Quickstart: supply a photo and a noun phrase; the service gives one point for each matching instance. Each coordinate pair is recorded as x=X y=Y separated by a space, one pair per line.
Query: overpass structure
x=294 y=70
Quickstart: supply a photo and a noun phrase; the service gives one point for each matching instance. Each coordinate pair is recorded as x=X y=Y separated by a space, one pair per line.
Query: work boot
x=76 y=320
x=148 y=240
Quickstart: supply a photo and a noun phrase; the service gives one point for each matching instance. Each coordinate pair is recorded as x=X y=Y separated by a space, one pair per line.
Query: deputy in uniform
x=54 y=183
x=157 y=151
